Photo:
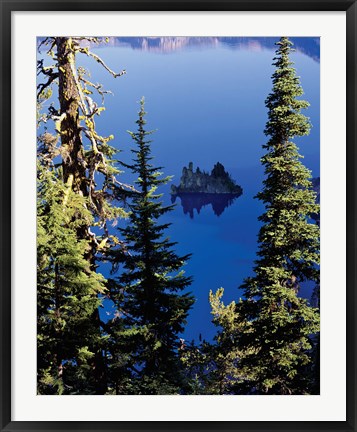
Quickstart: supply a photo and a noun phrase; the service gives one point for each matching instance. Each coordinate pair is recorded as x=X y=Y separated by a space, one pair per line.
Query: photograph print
x=178 y=217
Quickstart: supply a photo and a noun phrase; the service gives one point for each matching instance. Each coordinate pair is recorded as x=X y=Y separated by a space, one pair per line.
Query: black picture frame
x=7 y=7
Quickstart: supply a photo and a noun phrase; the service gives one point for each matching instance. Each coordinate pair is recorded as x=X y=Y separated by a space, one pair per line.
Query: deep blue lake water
x=206 y=99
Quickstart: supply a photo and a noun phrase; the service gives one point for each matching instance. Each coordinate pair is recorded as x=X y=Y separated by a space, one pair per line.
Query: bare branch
x=47 y=71
x=100 y=61
x=98 y=87
x=41 y=87
x=124 y=185
x=95 y=40
x=44 y=42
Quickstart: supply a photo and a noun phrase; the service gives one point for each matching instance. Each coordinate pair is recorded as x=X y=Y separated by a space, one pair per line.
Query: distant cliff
x=218 y=182
x=166 y=44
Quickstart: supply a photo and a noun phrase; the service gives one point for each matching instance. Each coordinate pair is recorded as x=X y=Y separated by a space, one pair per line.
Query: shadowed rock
x=218 y=182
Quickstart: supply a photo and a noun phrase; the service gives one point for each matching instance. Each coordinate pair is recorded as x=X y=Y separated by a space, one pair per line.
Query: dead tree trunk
x=74 y=168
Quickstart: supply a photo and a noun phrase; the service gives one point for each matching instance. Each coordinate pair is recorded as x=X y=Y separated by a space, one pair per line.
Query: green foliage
x=198 y=363
x=272 y=328
x=68 y=290
x=213 y=368
x=289 y=248
x=267 y=343
x=147 y=291
x=78 y=191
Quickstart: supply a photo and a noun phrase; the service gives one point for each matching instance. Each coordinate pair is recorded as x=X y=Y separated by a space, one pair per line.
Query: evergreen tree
x=281 y=322
x=67 y=291
x=199 y=365
x=213 y=368
x=87 y=194
x=153 y=312
x=273 y=325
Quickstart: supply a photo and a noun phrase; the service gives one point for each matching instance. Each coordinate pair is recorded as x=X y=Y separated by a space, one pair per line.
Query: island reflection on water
x=195 y=201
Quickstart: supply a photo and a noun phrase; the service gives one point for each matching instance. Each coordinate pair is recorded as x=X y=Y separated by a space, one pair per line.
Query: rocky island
x=218 y=182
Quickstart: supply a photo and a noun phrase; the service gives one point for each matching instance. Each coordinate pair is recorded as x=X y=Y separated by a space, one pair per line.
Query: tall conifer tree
x=289 y=248
x=273 y=325
x=76 y=205
x=153 y=309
